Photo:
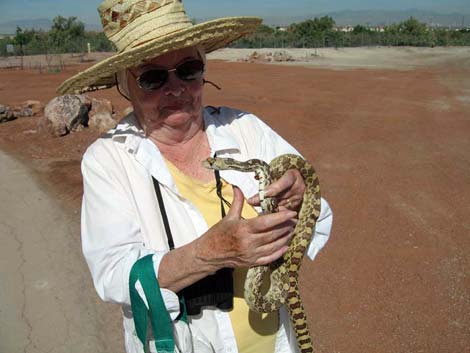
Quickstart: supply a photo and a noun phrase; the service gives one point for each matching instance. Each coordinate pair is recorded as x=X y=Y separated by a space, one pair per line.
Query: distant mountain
x=9 y=27
x=342 y=18
x=377 y=18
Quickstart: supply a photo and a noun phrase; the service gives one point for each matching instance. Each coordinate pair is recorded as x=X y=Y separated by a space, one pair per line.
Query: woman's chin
x=178 y=117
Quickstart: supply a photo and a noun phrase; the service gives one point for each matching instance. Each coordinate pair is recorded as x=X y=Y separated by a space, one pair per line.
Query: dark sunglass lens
x=153 y=79
x=190 y=70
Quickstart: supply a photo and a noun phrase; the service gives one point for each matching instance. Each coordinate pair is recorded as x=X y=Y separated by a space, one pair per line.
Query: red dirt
x=392 y=152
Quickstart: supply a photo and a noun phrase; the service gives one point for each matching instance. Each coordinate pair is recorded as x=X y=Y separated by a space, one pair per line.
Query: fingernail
x=267 y=192
x=292 y=214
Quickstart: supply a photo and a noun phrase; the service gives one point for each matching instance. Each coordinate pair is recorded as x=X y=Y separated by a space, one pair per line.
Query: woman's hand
x=232 y=242
x=238 y=242
x=288 y=190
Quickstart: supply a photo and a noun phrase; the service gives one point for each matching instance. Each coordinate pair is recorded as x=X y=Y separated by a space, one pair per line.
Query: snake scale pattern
x=284 y=273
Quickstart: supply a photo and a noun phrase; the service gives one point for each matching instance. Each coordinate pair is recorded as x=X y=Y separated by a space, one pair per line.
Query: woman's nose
x=174 y=85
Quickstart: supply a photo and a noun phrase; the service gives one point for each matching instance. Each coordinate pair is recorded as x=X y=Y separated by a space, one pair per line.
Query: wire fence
x=40 y=55
x=336 y=39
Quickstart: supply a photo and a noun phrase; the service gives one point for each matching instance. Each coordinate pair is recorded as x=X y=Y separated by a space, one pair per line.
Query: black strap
x=218 y=186
x=158 y=191
x=169 y=236
x=216 y=289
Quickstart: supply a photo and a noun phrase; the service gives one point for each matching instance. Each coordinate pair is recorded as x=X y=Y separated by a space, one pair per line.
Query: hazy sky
x=85 y=10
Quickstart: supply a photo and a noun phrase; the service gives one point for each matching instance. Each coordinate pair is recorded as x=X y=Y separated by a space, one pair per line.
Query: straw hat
x=144 y=29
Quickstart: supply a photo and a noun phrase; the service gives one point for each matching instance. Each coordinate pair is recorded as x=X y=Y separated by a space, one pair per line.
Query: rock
x=27 y=109
x=100 y=106
x=21 y=112
x=35 y=106
x=30 y=132
x=280 y=56
x=6 y=114
x=277 y=56
x=78 y=128
x=102 y=122
x=27 y=112
x=255 y=57
x=101 y=115
x=65 y=114
x=128 y=110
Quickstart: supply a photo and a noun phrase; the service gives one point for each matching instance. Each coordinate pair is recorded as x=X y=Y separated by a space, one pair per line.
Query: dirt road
x=47 y=303
x=391 y=146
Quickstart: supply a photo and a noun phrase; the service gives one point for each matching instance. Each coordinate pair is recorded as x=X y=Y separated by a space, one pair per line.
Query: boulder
x=101 y=115
x=65 y=114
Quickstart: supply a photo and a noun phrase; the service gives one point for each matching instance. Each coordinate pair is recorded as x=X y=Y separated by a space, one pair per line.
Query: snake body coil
x=284 y=273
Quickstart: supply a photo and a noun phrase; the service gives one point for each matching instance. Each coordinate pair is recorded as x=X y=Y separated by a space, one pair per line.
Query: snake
x=284 y=272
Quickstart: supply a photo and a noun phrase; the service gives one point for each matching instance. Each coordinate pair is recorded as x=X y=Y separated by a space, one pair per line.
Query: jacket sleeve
x=272 y=145
x=111 y=237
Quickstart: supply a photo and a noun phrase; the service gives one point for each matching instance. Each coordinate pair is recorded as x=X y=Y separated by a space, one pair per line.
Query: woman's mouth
x=179 y=105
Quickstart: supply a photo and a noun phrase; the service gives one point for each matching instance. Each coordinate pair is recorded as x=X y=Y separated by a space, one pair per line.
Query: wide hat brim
x=211 y=35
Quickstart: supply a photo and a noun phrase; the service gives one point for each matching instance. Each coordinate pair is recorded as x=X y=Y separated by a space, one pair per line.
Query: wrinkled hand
x=237 y=242
x=288 y=190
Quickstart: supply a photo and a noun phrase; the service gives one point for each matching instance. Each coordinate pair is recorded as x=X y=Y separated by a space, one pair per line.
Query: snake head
x=209 y=163
x=219 y=163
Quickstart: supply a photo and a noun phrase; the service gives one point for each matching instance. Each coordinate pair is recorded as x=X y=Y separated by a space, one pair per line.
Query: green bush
x=68 y=35
x=320 y=32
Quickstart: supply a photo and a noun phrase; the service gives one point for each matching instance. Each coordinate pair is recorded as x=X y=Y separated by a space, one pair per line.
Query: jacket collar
x=130 y=136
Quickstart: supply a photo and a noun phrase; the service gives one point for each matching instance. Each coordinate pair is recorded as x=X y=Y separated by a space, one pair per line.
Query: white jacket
x=121 y=219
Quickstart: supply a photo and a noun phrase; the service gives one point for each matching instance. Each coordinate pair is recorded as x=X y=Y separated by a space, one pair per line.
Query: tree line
x=68 y=35
x=323 y=32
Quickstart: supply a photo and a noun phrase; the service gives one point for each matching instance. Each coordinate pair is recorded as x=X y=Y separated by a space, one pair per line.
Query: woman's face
x=175 y=104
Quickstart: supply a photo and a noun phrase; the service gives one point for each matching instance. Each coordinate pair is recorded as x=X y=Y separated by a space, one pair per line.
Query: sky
x=85 y=10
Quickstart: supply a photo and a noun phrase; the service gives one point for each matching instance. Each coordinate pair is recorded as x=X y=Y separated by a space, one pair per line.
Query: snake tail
x=299 y=321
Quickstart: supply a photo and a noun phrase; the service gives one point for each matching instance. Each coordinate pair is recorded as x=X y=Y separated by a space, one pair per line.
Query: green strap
x=162 y=326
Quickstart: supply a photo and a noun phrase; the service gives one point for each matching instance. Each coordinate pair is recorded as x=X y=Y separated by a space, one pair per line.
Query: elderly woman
x=147 y=193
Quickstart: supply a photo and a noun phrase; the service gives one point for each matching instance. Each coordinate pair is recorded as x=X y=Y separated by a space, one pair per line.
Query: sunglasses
x=153 y=79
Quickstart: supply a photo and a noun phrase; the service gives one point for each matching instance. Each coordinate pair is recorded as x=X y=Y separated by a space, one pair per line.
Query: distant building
x=377 y=29
x=347 y=29
x=344 y=29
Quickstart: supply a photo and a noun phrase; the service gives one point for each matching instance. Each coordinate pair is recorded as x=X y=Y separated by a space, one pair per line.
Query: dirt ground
x=391 y=147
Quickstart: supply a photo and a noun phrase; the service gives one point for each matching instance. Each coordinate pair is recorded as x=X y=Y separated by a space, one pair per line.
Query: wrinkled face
x=176 y=103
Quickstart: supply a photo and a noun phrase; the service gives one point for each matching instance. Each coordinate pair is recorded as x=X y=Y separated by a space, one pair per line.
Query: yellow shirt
x=254 y=332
